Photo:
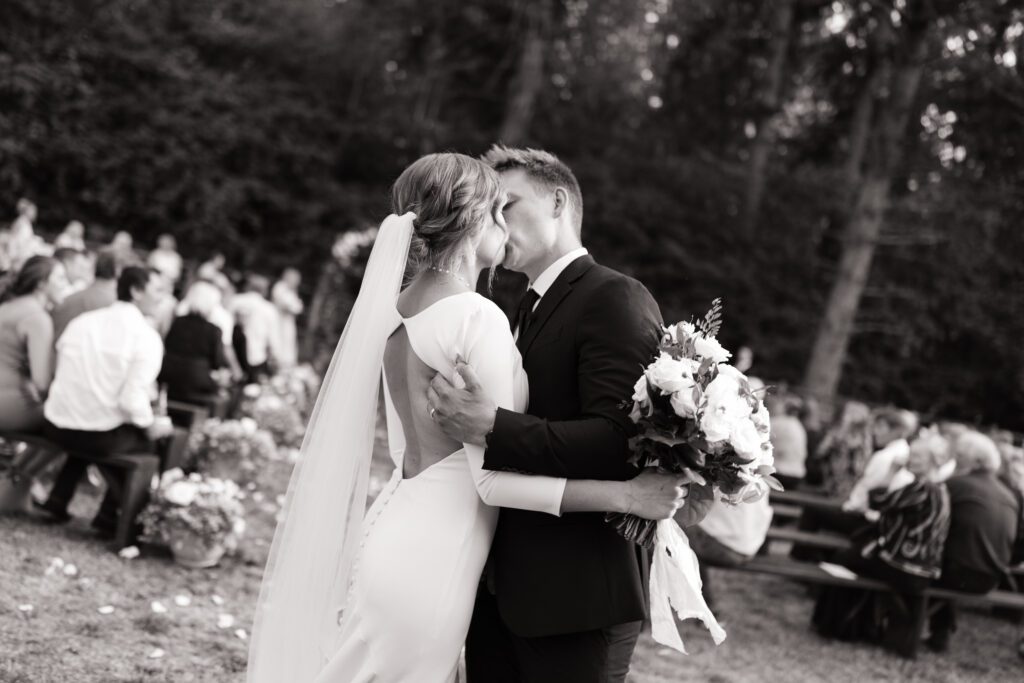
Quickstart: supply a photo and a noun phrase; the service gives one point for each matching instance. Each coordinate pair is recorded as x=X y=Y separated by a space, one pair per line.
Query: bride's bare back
x=408 y=379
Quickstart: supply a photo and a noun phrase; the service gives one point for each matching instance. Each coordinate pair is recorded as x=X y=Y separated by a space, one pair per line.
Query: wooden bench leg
x=133 y=498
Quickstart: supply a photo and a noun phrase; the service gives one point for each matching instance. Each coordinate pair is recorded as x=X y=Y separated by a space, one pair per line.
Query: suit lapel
x=559 y=289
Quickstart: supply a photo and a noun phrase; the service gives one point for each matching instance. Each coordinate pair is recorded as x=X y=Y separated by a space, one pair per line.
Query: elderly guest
x=194 y=347
x=984 y=526
x=26 y=342
x=891 y=429
x=904 y=548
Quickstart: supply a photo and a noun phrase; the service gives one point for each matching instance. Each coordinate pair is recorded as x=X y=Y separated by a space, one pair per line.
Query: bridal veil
x=295 y=630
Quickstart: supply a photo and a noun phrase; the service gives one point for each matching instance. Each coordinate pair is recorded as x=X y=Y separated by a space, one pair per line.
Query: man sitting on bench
x=99 y=403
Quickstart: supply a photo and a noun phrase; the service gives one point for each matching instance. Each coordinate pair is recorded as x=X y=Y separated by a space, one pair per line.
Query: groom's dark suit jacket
x=590 y=337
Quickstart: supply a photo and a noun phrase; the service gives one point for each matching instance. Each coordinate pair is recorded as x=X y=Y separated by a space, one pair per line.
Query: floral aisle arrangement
x=199 y=517
x=698 y=417
x=231 y=449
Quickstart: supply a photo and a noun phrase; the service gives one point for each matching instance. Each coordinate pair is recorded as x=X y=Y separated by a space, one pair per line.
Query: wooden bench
x=812 y=573
x=139 y=470
x=802 y=499
x=825 y=541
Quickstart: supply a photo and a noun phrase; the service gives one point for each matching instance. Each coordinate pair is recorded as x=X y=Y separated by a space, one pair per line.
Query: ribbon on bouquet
x=676 y=584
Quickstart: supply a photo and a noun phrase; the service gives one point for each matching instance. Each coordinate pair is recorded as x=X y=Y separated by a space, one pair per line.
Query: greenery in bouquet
x=206 y=507
x=698 y=416
x=232 y=449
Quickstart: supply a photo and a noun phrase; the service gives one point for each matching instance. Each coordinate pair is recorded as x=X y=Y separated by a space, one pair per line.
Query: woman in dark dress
x=194 y=349
x=904 y=548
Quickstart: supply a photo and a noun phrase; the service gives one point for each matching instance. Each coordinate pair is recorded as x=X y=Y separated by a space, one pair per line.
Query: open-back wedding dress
x=389 y=598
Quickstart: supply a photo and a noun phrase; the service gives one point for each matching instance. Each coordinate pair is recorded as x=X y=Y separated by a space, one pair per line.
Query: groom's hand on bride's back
x=656 y=495
x=466 y=414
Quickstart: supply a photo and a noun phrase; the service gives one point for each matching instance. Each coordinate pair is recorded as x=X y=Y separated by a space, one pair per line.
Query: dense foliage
x=265 y=127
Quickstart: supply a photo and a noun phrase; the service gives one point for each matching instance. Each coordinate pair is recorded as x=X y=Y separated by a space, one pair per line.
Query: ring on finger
x=432 y=411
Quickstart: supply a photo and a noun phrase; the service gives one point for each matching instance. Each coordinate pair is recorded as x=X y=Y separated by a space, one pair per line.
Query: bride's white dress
x=426 y=538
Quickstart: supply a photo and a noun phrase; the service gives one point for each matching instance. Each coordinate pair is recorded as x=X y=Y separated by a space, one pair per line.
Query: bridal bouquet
x=699 y=417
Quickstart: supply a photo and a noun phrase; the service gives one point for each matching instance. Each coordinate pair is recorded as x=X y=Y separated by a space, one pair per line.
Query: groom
x=563 y=598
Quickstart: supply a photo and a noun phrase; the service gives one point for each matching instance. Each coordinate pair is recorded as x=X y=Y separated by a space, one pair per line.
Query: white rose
x=746 y=440
x=671 y=375
x=724 y=407
x=683 y=404
x=251 y=390
x=708 y=347
x=249 y=425
x=180 y=493
x=238 y=527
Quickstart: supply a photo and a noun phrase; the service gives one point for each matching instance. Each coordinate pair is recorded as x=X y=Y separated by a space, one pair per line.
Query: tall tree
x=529 y=74
x=902 y=64
x=782 y=26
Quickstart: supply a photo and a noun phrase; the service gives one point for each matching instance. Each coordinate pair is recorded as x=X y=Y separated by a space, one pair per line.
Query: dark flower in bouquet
x=696 y=415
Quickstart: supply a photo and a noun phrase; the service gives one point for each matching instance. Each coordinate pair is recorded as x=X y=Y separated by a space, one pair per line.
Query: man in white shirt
x=729 y=536
x=258 y=320
x=166 y=259
x=99 y=403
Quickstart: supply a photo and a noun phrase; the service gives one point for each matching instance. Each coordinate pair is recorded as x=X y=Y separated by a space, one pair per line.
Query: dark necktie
x=524 y=313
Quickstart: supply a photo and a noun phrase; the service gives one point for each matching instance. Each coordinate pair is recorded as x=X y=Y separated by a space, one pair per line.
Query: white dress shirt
x=107 y=364
x=259 y=320
x=740 y=528
x=544 y=281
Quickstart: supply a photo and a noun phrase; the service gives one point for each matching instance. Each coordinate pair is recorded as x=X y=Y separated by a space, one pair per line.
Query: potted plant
x=231 y=449
x=199 y=517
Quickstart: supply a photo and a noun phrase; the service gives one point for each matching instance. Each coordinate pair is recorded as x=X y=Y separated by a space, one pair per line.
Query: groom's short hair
x=544 y=168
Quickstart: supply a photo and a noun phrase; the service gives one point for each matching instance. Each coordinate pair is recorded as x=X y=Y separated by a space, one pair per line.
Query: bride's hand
x=655 y=495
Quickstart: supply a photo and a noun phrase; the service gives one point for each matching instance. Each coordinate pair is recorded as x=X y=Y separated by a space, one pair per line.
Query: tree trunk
x=872 y=201
x=529 y=77
x=764 y=139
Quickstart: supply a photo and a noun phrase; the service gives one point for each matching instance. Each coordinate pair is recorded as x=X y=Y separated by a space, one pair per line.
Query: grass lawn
x=170 y=623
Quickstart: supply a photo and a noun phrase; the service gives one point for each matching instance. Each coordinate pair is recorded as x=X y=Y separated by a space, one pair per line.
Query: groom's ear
x=561 y=201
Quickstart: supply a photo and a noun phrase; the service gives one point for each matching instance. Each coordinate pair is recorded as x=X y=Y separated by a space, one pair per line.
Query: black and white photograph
x=511 y=341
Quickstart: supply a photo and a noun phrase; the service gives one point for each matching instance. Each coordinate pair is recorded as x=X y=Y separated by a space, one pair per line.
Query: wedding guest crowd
x=86 y=336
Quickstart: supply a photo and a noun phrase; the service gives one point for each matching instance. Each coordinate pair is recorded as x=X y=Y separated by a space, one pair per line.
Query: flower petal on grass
x=241 y=633
x=106 y=609
x=129 y=553
x=182 y=600
x=157 y=653
x=225 y=621
x=70 y=570
x=217 y=600
x=158 y=607
x=25 y=608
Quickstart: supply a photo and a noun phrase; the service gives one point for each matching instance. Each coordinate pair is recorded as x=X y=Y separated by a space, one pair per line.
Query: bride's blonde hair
x=451 y=195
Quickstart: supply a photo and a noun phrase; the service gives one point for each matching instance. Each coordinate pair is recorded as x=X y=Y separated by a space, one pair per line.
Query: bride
x=389 y=596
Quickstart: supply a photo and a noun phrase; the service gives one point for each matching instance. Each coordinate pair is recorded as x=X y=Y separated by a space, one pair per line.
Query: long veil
x=305 y=582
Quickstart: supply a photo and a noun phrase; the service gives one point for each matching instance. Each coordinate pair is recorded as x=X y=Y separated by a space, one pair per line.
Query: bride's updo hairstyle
x=451 y=195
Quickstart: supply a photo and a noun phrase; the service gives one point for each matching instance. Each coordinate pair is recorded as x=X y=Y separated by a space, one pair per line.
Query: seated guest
x=165 y=259
x=26 y=342
x=789 y=440
x=73 y=237
x=194 y=348
x=891 y=429
x=163 y=313
x=843 y=452
x=107 y=364
x=123 y=246
x=985 y=516
x=729 y=536
x=100 y=294
x=904 y=548
x=78 y=267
